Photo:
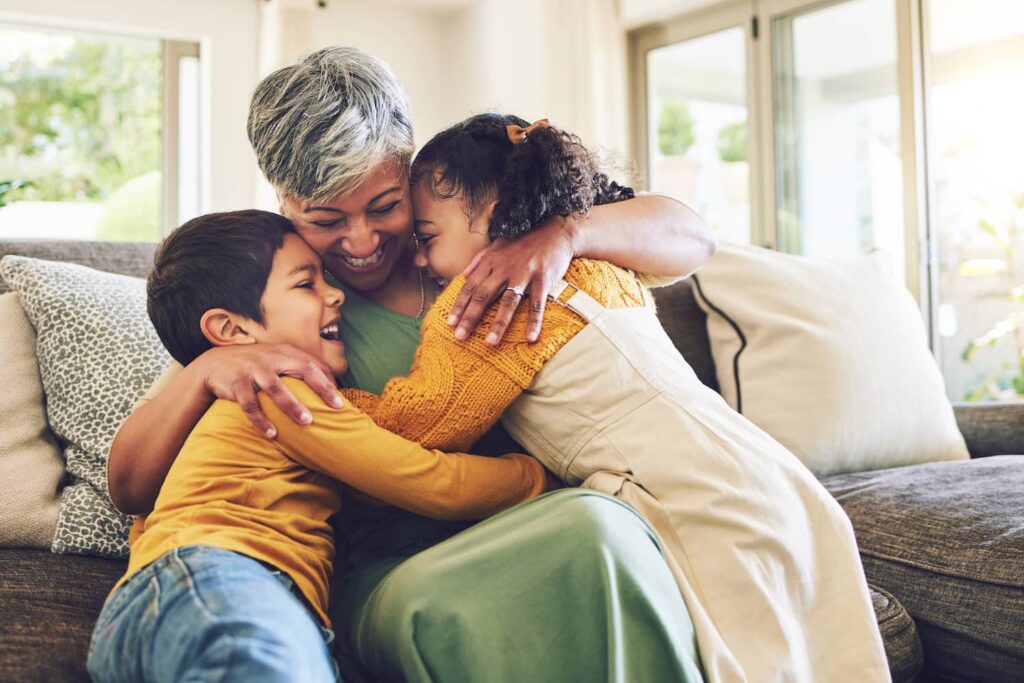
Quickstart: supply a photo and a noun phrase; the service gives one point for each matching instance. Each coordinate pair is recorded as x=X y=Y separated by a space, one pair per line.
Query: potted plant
x=676 y=173
x=732 y=150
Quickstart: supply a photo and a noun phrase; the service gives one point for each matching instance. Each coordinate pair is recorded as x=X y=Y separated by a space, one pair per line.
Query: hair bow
x=517 y=134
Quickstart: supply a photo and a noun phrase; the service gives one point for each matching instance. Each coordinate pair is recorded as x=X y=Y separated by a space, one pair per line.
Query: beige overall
x=764 y=557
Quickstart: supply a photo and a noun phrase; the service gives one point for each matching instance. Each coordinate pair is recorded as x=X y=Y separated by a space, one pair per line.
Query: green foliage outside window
x=732 y=142
x=675 y=129
x=80 y=118
x=9 y=190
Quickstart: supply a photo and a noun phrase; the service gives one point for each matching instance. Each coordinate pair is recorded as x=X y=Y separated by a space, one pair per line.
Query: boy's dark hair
x=220 y=260
x=550 y=173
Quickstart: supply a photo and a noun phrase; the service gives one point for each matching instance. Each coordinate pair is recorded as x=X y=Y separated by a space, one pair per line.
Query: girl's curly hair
x=549 y=174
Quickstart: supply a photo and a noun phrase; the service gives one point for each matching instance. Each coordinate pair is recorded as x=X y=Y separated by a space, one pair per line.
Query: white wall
x=635 y=13
x=409 y=39
x=227 y=30
x=561 y=59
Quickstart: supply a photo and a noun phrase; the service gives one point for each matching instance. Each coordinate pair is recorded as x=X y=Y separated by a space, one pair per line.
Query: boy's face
x=300 y=308
x=449 y=236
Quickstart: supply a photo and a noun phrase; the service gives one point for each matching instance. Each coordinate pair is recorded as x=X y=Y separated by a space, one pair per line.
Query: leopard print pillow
x=97 y=354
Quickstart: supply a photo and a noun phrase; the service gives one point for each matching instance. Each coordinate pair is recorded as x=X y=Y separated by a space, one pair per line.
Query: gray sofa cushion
x=899 y=635
x=49 y=604
x=947 y=540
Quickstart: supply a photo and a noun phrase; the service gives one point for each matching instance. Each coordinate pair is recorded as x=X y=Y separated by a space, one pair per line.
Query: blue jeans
x=201 y=613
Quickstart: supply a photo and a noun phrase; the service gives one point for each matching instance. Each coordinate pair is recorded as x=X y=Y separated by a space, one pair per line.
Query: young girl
x=764 y=557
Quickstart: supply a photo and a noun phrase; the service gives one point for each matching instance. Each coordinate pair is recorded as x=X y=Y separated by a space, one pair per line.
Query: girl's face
x=449 y=236
x=362 y=235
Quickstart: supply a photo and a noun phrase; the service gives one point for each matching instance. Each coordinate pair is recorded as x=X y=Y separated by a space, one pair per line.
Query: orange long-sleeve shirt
x=232 y=488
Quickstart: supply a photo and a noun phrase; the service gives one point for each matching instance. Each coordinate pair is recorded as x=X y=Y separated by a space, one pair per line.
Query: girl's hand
x=511 y=269
x=236 y=373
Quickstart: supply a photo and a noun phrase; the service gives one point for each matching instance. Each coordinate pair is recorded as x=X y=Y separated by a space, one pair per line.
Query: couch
x=942 y=543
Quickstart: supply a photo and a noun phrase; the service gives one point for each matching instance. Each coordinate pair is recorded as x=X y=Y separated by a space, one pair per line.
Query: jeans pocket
x=140 y=596
x=116 y=602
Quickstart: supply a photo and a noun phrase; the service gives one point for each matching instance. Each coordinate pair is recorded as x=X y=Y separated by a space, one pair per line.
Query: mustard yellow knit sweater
x=456 y=391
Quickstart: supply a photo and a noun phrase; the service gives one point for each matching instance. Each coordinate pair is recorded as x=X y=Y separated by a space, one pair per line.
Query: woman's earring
x=415 y=244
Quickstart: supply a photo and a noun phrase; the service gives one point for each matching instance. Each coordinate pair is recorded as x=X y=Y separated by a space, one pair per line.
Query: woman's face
x=362 y=235
x=449 y=236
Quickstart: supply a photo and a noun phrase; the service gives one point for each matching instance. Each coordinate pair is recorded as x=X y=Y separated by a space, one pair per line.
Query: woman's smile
x=367 y=263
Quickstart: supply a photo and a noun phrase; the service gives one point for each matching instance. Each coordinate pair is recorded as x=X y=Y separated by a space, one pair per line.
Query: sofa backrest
x=679 y=313
x=127 y=258
x=686 y=325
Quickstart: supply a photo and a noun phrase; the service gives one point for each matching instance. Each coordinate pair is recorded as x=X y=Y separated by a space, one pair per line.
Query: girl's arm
x=348 y=446
x=651 y=234
x=147 y=443
x=456 y=391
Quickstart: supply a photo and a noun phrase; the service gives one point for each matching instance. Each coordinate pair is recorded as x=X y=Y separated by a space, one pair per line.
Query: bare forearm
x=149 y=440
x=653 y=234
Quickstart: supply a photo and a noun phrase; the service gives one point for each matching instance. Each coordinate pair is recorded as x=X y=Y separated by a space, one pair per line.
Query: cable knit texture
x=456 y=391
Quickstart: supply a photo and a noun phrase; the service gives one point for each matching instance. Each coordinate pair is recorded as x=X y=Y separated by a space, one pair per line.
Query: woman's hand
x=236 y=373
x=653 y=234
x=511 y=269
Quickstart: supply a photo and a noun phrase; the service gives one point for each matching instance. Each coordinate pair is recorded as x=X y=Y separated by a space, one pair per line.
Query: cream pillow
x=30 y=462
x=829 y=357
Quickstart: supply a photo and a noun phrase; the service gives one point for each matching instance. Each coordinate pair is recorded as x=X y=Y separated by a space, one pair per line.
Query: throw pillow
x=97 y=354
x=829 y=357
x=30 y=464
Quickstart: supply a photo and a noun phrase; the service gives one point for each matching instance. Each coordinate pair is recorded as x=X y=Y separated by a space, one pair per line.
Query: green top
x=379 y=343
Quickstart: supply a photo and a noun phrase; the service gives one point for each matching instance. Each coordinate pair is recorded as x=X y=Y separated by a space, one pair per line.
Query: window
x=698 y=112
x=837 y=130
x=975 y=64
x=694 y=100
x=99 y=135
x=885 y=125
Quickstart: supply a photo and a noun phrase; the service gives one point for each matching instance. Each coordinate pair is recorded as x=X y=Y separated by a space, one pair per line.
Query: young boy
x=228 y=576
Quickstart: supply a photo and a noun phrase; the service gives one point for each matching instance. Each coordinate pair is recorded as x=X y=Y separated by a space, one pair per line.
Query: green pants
x=570 y=586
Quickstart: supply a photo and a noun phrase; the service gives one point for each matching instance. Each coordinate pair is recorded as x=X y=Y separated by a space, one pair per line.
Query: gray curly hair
x=319 y=127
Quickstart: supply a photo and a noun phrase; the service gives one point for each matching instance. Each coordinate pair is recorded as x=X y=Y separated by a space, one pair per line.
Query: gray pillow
x=97 y=354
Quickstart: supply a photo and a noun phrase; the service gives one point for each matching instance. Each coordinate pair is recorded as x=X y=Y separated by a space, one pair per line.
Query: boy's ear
x=224 y=328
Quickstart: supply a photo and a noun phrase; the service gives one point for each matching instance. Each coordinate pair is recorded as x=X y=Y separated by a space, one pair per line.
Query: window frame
x=173 y=51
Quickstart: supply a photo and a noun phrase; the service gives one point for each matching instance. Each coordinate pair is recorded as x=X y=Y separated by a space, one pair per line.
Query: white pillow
x=829 y=357
x=30 y=463
x=97 y=354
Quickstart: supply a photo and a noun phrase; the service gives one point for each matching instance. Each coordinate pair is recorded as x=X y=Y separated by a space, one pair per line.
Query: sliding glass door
x=836 y=131
x=696 y=128
x=975 y=65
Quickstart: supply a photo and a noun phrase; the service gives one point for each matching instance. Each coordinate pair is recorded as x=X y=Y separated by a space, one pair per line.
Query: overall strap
x=566 y=294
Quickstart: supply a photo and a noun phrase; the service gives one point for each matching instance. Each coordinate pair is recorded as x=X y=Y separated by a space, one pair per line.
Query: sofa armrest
x=992 y=428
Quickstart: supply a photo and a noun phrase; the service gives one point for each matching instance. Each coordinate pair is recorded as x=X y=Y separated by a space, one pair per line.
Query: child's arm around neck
x=346 y=445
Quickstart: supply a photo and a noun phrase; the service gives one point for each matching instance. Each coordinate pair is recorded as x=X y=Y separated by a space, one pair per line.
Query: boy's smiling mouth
x=330 y=331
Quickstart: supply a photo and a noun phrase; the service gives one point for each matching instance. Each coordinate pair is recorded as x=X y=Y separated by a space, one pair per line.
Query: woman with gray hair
x=571 y=585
